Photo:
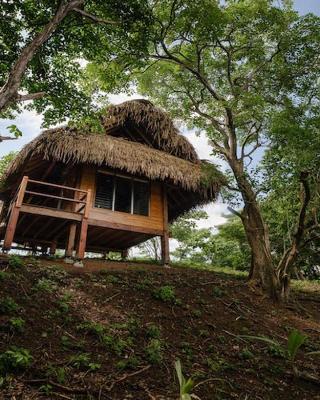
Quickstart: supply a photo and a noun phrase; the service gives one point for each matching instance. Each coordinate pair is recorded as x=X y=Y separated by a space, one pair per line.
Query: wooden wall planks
x=154 y=221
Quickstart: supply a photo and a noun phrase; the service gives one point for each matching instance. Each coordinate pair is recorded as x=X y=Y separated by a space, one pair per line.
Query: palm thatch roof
x=155 y=124
x=69 y=146
x=164 y=155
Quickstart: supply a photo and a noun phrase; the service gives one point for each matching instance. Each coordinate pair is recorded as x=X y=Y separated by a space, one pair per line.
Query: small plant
x=186 y=385
x=92 y=328
x=115 y=344
x=153 y=331
x=83 y=362
x=17 y=324
x=4 y=275
x=218 y=364
x=295 y=340
x=187 y=350
x=166 y=294
x=63 y=303
x=15 y=359
x=130 y=363
x=153 y=351
x=8 y=306
x=58 y=373
x=45 y=285
x=46 y=389
x=196 y=313
x=217 y=292
x=15 y=262
x=246 y=354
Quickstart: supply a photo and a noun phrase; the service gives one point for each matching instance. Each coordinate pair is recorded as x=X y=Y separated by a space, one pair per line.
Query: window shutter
x=141 y=196
x=104 y=193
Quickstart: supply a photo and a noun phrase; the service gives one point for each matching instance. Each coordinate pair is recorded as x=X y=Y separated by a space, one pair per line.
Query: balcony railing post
x=14 y=215
x=84 y=228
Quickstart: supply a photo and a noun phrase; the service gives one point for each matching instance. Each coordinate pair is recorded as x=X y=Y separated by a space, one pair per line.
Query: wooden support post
x=124 y=254
x=53 y=248
x=84 y=228
x=71 y=239
x=165 y=255
x=14 y=215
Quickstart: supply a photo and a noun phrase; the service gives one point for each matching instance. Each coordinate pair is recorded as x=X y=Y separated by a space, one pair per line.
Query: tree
x=229 y=246
x=44 y=42
x=293 y=222
x=151 y=248
x=191 y=239
x=227 y=70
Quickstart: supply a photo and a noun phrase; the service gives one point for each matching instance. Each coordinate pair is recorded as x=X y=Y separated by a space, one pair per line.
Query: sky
x=30 y=124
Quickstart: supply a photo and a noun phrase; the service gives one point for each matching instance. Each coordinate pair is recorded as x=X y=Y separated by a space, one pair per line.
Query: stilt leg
x=71 y=240
x=53 y=248
x=11 y=228
x=82 y=239
x=165 y=257
x=124 y=254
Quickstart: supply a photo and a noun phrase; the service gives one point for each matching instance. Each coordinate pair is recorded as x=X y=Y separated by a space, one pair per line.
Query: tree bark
x=286 y=265
x=9 y=92
x=262 y=269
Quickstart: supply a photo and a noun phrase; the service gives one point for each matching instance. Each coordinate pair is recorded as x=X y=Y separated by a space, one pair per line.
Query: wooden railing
x=77 y=202
x=44 y=201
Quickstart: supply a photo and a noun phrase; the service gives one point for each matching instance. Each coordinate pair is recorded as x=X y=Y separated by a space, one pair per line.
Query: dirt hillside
x=114 y=331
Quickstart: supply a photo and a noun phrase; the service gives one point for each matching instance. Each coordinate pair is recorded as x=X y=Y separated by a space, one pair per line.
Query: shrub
x=153 y=351
x=153 y=331
x=93 y=328
x=115 y=344
x=165 y=294
x=3 y=275
x=15 y=359
x=17 y=324
x=8 y=305
x=45 y=285
x=130 y=363
x=83 y=362
x=217 y=292
x=15 y=262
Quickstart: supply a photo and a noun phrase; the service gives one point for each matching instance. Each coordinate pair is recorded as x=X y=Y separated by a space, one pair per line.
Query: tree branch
x=30 y=96
x=288 y=259
x=2 y=138
x=234 y=212
x=9 y=91
x=94 y=18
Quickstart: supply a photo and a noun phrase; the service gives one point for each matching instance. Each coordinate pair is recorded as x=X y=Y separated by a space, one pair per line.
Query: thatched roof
x=69 y=146
x=139 y=139
x=154 y=123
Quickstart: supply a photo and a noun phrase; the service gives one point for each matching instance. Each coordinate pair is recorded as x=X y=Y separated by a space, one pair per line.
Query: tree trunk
x=287 y=262
x=262 y=271
x=9 y=92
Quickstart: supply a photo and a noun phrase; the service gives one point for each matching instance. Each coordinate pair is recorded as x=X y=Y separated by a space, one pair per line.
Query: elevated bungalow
x=98 y=192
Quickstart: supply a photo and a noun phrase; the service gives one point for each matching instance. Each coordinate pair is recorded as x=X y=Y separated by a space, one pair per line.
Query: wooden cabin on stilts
x=82 y=191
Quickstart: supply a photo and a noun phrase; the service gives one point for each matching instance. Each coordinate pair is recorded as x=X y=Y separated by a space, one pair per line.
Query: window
x=141 y=195
x=104 y=192
x=122 y=194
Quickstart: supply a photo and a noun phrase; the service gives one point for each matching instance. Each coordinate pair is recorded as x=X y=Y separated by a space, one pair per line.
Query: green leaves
x=186 y=385
x=295 y=340
x=13 y=129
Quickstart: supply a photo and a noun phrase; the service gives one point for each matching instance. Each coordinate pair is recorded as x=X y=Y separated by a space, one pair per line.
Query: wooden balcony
x=49 y=200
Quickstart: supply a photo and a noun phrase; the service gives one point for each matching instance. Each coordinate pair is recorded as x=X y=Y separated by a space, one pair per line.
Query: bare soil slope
x=113 y=331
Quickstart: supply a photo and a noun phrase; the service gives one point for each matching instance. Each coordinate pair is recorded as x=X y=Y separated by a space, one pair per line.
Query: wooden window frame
x=132 y=180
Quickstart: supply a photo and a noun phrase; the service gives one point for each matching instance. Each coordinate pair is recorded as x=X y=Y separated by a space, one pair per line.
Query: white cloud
x=28 y=122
